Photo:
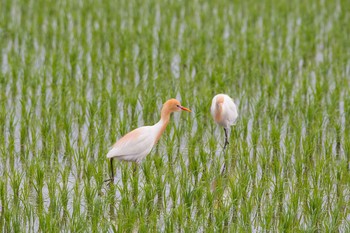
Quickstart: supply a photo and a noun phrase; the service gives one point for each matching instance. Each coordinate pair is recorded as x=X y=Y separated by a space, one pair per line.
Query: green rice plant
x=76 y=76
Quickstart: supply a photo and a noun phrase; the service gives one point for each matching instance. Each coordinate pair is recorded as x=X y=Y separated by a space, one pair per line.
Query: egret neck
x=163 y=122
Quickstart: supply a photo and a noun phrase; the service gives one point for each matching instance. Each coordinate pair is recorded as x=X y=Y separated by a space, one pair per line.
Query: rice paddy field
x=77 y=75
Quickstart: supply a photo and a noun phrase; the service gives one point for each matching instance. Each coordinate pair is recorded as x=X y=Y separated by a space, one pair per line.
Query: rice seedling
x=77 y=75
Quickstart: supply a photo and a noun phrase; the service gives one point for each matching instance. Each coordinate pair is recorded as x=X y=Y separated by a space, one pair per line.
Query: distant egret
x=224 y=112
x=135 y=145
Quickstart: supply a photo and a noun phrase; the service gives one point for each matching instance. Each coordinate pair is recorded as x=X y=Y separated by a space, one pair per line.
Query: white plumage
x=135 y=145
x=224 y=112
x=143 y=140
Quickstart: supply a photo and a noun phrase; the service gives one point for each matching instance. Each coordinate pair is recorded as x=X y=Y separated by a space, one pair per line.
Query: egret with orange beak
x=135 y=145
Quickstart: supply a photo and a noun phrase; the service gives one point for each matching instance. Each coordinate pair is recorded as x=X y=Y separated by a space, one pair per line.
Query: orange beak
x=185 y=109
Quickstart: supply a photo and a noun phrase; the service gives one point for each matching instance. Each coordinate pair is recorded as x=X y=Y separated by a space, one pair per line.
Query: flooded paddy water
x=75 y=76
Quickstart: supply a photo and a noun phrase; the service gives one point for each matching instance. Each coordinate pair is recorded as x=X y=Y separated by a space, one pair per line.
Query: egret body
x=135 y=145
x=224 y=112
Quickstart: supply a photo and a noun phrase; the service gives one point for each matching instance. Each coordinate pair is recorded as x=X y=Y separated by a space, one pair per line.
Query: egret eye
x=177 y=105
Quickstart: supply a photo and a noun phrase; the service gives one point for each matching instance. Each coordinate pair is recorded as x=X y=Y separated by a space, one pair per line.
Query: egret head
x=173 y=105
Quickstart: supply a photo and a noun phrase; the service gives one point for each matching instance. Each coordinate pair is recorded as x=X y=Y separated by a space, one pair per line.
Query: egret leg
x=134 y=168
x=135 y=182
x=225 y=145
x=226 y=138
x=223 y=168
x=112 y=172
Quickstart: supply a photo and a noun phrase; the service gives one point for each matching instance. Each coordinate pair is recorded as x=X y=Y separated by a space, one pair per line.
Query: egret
x=224 y=112
x=135 y=145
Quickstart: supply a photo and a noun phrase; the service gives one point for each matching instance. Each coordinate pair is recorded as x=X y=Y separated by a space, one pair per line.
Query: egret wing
x=138 y=142
x=233 y=113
